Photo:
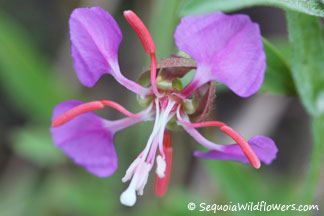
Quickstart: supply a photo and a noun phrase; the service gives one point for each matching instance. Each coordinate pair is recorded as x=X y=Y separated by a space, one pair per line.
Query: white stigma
x=139 y=180
x=128 y=197
x=161 y=165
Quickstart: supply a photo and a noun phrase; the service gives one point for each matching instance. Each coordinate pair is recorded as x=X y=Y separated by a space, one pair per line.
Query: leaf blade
x=314 y=8
x=278 y=77
x=307 y=54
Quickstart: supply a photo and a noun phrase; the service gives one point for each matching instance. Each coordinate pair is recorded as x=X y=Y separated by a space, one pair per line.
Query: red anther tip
x=57 y=122
x=72 y=113
x=141 y=31
x=246 y=148
x=257 y=165
x=88 y=107
x=147 y=42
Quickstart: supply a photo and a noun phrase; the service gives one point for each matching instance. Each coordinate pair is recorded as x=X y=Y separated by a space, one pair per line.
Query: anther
x=83 y=108
x=88 y=107
x=246 y=148
x=160 y=166
x=141 y=31
x=147 y=42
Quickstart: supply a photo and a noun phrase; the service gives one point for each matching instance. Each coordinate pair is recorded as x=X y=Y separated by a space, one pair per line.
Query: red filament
x=153 y=74
x=204 y=124
x=244 y=145
x=118 y=107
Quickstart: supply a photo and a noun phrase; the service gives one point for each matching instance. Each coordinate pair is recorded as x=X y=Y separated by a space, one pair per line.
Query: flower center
x=165 y=109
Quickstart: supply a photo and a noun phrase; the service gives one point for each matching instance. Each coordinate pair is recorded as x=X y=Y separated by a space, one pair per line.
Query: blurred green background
x=36 y=72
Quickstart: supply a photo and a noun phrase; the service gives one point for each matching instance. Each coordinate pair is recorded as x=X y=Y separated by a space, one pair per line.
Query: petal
x=87 y=140
x=263 y=146
x=227 y=48
x=95 y=38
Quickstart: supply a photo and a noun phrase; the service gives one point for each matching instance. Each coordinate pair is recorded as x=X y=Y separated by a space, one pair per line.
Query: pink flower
x=226 y=48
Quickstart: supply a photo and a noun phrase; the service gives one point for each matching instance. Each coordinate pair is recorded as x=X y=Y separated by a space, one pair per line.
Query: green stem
x=316 y=161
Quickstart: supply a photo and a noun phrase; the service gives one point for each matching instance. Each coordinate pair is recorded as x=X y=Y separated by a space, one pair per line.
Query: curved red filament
x=246 y=148
x=118 y=107
x=147 y=42
x=161 y=184
x=153 y=74
x=88 y=107
x=203 y=124
x=244 y=145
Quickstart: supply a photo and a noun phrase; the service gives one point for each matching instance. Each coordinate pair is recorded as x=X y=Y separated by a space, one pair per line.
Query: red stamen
x=153 y=74
x=147 y=42
x=167 y=139
x=83 y=108
x=204 y=124
x=161 y=184
x=246 y=148
x=141 y=31
x=118 y=107
x=88 y=107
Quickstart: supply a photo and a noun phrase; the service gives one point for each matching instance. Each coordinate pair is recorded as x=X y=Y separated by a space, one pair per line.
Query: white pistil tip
x=128 y=197
x=161 y=165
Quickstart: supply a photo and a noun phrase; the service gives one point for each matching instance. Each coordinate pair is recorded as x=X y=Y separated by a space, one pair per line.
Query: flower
x=226 y=48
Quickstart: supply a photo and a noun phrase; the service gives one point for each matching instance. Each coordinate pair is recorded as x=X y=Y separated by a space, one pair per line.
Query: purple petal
x=95 y=38
x=227 y=48
x=87 y=140
x=263 y=146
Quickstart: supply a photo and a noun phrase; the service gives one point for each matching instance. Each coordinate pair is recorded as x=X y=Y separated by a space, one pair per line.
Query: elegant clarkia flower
x=224 y=48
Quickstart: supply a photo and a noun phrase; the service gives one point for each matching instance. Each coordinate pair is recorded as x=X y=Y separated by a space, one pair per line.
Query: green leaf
x=36 y=145
x=310 y=7
x=306 y=38
x=307 y=54
x=25 y=74
x=278 y=75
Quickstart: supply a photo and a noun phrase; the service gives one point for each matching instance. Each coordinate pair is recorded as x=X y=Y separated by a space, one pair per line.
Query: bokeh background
x=36 y=72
